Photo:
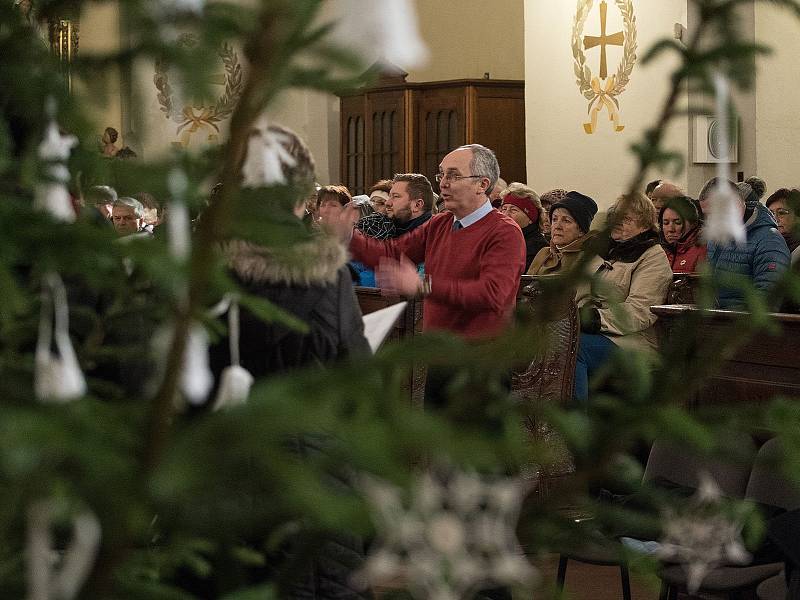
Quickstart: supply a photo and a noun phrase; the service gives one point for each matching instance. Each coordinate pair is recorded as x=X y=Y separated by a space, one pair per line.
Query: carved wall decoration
x=197 y=116
x=602 y=90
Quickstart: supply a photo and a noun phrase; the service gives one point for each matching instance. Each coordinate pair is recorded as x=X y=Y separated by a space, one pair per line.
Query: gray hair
x=483 y=163
x=138 y=208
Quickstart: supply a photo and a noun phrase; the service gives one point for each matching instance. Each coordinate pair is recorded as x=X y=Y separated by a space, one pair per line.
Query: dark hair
x=384 y=185
x=148 y=200
x=549 y=198
x=340 y=192
x=651 y=186
x=419 y=188
x=113 y=134
x=780 y=194
x=684 y=206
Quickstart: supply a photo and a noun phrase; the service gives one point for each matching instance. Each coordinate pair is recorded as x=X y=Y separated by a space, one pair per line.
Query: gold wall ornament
x=64 y=35
x=193 y=116
x=603 y=95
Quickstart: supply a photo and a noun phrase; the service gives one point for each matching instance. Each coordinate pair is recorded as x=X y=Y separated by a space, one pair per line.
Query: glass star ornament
x=455 y=536
x=701 y=538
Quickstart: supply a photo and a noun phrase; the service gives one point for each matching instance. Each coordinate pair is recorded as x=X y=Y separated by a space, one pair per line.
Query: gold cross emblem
x=615 y=39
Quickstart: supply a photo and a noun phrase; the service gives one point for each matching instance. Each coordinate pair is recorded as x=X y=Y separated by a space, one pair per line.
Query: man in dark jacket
x=522 y=204
x=410 y=202
x=764 y=258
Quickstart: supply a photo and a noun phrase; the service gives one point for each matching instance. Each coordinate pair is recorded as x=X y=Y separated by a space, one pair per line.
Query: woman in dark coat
x=311 y=281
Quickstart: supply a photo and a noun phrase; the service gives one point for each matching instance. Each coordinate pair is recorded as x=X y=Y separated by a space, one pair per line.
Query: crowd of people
x=464 y=248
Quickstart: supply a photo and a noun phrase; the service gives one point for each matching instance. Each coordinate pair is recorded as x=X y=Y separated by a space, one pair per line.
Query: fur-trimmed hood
x=316 y=261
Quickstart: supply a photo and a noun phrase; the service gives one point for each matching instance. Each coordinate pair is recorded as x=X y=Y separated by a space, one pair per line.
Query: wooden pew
x=765 y=366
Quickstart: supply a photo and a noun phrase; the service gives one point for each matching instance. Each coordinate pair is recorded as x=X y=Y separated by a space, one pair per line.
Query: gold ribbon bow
x=603 y=98
x=195 y=122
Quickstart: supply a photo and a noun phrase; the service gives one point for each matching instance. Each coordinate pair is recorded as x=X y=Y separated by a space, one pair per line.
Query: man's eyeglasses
x=451 y=177
x=781 y=212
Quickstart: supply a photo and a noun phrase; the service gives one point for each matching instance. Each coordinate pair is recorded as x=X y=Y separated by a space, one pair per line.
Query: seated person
x=410 y=202
x=763 y=258
x=632 y=275
x=331 y=200
x=127 y=216
x=373 y=224
x=379 y=194
x=785 y=212
x=570 y=221
x=522 y=204
x=680 y=234
x=548 y=199
x=101 y=198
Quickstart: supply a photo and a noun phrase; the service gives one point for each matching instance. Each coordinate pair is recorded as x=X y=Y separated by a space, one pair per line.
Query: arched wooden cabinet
x=398 y=127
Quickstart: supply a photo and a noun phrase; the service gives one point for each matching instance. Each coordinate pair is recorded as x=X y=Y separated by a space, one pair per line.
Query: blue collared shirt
x=475 y=215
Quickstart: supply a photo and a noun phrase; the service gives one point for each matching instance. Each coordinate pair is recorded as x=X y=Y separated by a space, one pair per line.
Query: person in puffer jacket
x=764 y=258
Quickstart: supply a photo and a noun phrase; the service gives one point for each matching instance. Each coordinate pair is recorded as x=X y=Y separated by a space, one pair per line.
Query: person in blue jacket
x=763 y=258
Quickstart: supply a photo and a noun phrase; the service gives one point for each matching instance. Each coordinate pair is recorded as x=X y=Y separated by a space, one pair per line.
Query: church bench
x=764 y=366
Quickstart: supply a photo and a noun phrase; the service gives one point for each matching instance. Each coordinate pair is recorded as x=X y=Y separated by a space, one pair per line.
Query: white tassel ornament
x=381 y=30
x=52 y=196
x=724 y=224
x=178 y=223
x=235 y=381
x=58 y=377
x=196 y=377
x=267 y=158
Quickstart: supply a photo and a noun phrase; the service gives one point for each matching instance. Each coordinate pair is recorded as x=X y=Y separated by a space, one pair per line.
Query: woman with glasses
x=783 y=209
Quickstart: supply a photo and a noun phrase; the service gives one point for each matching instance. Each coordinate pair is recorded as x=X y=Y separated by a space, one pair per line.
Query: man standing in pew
x=473 y=254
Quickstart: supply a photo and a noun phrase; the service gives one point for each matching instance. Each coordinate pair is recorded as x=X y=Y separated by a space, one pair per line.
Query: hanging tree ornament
x=701 y=538
x=51 y=194
x=58 y=377
x=267 y=157
x=380 y=30
x=235 y=381
x=457 y=536
x=724 y=224
x=45 y=583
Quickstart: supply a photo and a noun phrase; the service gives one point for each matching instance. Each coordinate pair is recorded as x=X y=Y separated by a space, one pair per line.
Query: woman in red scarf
x=680 y=234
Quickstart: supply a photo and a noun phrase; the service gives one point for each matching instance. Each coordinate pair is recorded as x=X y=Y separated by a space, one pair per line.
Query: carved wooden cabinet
x=400 y=127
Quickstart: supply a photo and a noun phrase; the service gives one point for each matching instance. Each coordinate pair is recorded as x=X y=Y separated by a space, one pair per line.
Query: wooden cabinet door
x=385 y=135
x=498 y=122
x=441 y=126
x=353 y=144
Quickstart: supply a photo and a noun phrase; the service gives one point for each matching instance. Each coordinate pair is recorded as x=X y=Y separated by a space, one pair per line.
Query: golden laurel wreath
x=223 y=106
x=625 y=68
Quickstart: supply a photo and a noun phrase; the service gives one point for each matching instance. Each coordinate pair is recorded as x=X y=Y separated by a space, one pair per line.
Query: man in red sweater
x=473 y=254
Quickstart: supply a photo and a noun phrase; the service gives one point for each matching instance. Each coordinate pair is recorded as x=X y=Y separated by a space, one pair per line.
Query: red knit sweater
x=474 y=271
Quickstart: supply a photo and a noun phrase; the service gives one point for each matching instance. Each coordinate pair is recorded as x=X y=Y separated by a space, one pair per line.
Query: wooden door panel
x=441 y=126
x=385 y=134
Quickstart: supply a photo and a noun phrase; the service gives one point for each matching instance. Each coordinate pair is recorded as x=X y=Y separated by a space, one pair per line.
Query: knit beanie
x=525 y=204
x=581 y=207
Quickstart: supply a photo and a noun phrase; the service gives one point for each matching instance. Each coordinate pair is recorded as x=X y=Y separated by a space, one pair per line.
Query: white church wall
x=559 y=152
x=471 y=37
x=777 y=100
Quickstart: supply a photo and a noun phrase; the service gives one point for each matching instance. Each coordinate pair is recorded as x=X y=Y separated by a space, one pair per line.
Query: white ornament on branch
x=196 y=378
x=178 y=223
x=51 y=195
x=457 y=536
x=381 y=30
x=235 y=381
x=724 y=224
x=58 y=377
x=45 y=583
x=267 y=158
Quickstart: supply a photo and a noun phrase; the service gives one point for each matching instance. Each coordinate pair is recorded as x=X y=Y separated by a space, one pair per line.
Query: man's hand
x=342 y=226
x=398 y=278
